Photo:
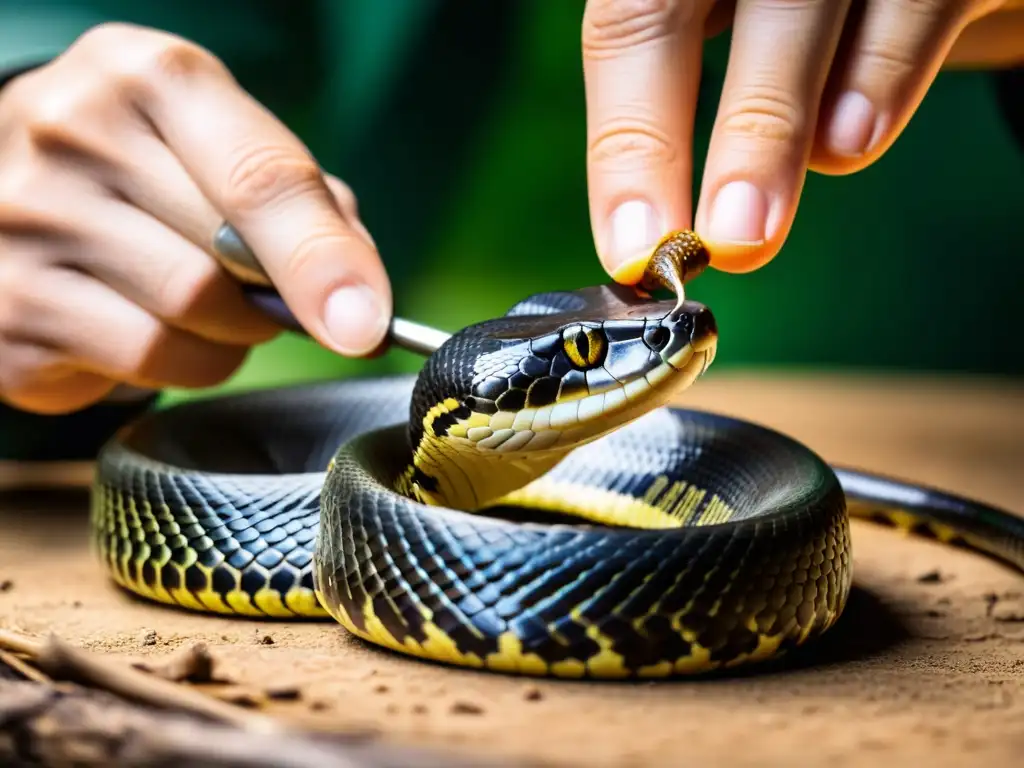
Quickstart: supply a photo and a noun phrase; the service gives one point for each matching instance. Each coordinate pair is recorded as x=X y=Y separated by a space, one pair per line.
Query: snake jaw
x=506 y=400
x=578 y=381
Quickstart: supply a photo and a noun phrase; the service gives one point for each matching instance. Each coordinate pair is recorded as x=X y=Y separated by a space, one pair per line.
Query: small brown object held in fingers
x=678 y=258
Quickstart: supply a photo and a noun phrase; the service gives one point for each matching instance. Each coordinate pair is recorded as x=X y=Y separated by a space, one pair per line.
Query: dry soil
x=926 y=666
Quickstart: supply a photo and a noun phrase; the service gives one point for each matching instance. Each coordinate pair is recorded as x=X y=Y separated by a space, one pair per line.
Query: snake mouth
x=547 y=383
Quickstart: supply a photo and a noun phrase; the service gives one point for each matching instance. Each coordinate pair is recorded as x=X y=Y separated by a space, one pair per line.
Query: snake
x=534 y=501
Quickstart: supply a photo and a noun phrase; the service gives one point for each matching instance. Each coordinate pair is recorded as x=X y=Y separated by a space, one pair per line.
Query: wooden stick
x=51 y=721
x=25 y=670
x=63 y=661
x=85 y=727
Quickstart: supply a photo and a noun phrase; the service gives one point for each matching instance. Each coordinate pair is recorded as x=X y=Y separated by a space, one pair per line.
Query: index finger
x=265 y=183
x=641 y=65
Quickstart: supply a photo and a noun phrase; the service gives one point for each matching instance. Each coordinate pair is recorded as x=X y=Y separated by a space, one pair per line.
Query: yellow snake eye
x=585 y=347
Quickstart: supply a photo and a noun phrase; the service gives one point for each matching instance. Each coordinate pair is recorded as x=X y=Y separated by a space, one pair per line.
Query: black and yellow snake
x=529 y=503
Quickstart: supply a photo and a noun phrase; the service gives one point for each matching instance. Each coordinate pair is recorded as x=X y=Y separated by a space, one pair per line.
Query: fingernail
x=739 y=214
x=355 y=319
x=635 y=229
x=852 y=126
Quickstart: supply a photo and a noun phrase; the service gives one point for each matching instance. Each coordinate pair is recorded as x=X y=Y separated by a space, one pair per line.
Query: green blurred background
x=460 y=126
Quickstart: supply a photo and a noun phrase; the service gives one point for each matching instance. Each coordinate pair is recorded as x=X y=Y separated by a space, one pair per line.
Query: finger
x=261 y=179
x=140 y=257
x=757 y=158
x=641 y=64
x=150 y=177
x=891 y=58
x=98 y=330
x=346 y=201
x=41 y=380
x=166 y=274
x=154 y=180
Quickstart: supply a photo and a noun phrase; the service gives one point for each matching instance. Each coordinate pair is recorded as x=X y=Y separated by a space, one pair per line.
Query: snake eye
x=585 y=347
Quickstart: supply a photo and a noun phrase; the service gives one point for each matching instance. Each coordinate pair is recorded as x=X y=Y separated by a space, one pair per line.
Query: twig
x=193 y=665
x=25 y=670
x=66 y=724
x=93 y=729
x=15 y=642
x=63 y=661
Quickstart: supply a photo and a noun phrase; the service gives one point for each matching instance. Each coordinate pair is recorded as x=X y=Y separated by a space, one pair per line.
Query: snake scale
x=531 y=502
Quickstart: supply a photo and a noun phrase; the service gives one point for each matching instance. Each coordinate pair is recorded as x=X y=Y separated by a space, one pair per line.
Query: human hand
x=810 y=84
x=119 y=161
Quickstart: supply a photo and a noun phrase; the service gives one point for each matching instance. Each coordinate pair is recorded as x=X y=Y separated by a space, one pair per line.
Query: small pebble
x=466 y=708
x=6 y=585
x=991 y=598
x=532 y=693
x=266 y=640
x=979 y=636
x=242 y=699
x=381 y=688
x=284 y=693
x=147 y=637
x=319 y=706
x=931 y=577
x=1010 y=613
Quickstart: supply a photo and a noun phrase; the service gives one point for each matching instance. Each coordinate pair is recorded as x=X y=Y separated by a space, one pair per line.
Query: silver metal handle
x=239 y=260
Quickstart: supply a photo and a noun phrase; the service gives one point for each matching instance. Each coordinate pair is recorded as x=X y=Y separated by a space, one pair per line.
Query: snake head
x=557 y=371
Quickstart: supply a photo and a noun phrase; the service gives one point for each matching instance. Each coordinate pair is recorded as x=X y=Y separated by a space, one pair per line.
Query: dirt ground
x=926 y=667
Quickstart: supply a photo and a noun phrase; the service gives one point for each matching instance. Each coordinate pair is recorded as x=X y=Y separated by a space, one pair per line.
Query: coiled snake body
x=529 y=503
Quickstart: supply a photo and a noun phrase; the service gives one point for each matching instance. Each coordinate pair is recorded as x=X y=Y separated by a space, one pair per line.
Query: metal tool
x=238 y=259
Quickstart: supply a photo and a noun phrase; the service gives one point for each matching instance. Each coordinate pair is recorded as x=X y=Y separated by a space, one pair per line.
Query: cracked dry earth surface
x=925 y=667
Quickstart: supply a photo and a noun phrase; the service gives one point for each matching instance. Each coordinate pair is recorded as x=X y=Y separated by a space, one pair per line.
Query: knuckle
x=55 y=115
x=888 y=59
x=631 y=144
x=168 y=58
x=266 y=176
x=135 y=58
x=764 y=114
x=612 y=25
x=312 y=247
x=107 y=36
